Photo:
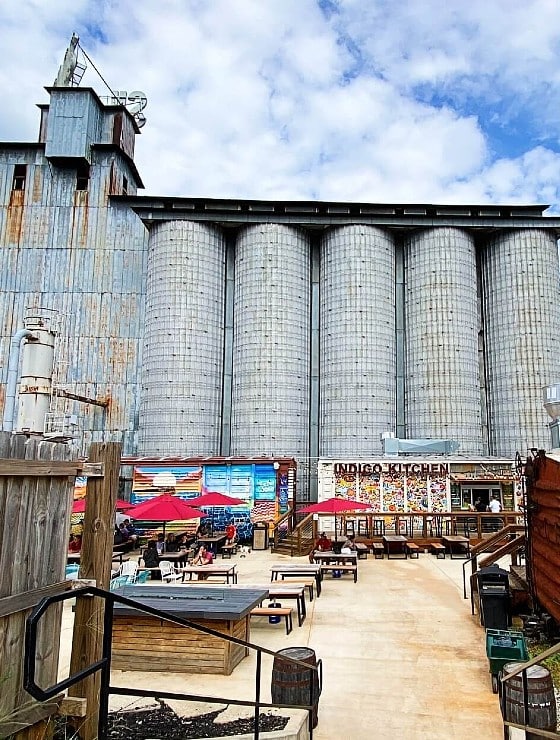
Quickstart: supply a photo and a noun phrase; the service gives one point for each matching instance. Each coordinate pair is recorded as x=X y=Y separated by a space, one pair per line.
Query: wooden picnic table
x=213 y=541
x=284 y=590
x=301 y=570
x=229 y=571
x=395 y=544
x=75 y=557
x=145 y=643
x=327 y=556
x=457 y=544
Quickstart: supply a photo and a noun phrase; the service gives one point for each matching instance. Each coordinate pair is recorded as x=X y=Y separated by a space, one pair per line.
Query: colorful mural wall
x=411 y=485
x=265 y=493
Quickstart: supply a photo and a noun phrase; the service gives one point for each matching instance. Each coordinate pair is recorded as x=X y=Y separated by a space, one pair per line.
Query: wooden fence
x=36 y=491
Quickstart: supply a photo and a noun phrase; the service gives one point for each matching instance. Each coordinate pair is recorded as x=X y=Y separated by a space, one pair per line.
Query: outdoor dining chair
x=129 y=569
x=168 y=571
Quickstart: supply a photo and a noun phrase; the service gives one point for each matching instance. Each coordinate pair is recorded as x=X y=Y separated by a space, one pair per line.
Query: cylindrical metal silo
x=270 y=394
x=521 y=311
x=182 y=362
x=358 y=340
x=442 y=387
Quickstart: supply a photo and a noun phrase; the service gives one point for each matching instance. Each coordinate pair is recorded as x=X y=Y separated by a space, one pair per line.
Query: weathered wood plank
x=95 y=563
x=29 y=599
x=40 y=468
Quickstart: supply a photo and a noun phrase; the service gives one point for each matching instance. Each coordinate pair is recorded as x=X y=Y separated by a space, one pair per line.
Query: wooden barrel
x=293 y=683
x=541 y=699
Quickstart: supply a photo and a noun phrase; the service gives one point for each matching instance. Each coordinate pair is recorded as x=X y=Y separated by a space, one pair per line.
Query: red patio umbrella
x=79 y=505
x=214 y=498
x=166 y=508
x=334 y=506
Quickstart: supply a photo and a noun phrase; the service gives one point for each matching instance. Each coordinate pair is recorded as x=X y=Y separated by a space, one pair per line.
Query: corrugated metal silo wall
x=442 y=387
x=66 y=250
x=270 y=393
x=358 y=345
x=521 y=310
x=180 y=409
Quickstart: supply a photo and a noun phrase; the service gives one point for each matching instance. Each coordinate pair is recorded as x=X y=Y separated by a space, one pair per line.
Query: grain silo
x=441 y=316
x=358 y=340
x=183 y=340
x=521 y=323
x=270 y=393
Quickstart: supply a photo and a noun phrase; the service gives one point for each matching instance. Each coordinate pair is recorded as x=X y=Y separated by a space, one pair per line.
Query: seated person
x=132 y=533
x=160 y=544
x=349 y=545
x=75 y=544
x=231 y=534
x=183 y=542
x=151 y=559
x=203 y=557
x=322 y=544
x=171 y=543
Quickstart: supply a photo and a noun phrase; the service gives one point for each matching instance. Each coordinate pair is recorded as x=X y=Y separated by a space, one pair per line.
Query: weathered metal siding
x=442 y=393
x=75 y=123
x=544 y=532
x=270 y=398
x=184 y=340
x=521 y=309
x=86 y=260
x=358 y=341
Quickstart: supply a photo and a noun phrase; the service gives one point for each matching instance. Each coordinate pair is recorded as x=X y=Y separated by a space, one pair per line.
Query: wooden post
x=95 y=563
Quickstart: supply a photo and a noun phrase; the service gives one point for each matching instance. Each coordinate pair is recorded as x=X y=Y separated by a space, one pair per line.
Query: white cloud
x=373 y=101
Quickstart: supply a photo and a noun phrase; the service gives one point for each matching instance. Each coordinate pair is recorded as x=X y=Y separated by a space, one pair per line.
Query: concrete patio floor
x=402 y=655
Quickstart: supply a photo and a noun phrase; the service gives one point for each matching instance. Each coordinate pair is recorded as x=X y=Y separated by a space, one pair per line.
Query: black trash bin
x=495 y=597
x=260 y=536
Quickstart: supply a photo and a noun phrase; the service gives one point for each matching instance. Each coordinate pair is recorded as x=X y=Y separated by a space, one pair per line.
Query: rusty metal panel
x=543 y=490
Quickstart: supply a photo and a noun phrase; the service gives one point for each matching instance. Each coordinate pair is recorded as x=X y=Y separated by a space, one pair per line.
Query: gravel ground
x=163 y=723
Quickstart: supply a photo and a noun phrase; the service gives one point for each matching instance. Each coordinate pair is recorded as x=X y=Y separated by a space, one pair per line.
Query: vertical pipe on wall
x=225 y=440
x=314 y=399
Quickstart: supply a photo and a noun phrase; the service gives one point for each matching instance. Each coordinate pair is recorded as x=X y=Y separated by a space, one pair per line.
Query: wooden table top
x=293 y=567
x=75 y=557
x=327 y=555
x=183 y=601
x=212 y=539
x=454 y=538
x=215 y=569
x=394 y=538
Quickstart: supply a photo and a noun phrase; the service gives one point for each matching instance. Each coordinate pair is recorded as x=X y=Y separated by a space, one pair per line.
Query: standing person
x=231 y=534
x=495 y=507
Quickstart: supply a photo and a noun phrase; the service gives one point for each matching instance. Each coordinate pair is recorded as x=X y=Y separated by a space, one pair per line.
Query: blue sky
x=349 y=100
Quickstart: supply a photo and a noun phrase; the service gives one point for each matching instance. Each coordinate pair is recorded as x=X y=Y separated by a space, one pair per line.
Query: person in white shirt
x=495 y=506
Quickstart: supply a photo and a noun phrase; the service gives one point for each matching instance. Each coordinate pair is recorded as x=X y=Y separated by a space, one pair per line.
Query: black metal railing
x=103 y=665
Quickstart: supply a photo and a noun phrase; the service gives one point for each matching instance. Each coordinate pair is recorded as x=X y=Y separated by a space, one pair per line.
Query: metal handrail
x=104 y=663
x=482 y=548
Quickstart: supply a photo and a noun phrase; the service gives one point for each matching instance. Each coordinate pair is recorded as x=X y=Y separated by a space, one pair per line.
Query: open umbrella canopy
x=166 y=508
x=334 y=506
x=79 y=506
x=214 y=498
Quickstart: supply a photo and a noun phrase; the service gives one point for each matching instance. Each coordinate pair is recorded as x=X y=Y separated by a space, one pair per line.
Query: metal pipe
x=11 y=385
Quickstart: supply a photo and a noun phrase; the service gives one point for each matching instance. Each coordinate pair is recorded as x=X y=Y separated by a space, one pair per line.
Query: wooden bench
x=228 y=550
x=438 y=550
x=308 y=583
x=378 y=550
x=275 y=611
x=342 y=568
x=361 y=551
x=412 y=549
